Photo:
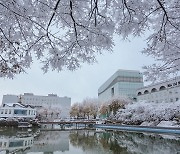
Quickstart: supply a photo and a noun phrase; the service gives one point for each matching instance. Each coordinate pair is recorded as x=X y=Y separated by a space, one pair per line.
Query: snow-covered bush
x=139 y=112
x=168 y=123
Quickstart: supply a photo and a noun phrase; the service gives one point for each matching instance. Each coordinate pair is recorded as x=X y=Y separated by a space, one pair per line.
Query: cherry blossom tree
x=116 y=105
x=113 y=105
x=63 y=34
x=104 y=109
x=94 y=106
x=90 y=107
x=49 y=113
x=86 y=109
x=74 y=112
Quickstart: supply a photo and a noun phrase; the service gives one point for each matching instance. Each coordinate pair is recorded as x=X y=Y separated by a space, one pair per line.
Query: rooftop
x=115 y=78
x=168 y=81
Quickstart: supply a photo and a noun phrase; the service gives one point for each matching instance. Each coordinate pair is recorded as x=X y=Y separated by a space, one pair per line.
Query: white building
x=122 y=83
x=167 y=91
x=50 y=102
x=17 y=111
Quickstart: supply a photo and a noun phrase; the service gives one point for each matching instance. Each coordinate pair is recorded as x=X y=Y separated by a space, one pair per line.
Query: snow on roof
x=18 y=104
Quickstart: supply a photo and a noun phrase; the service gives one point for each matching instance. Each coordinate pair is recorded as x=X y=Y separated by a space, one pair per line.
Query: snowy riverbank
x=150 y=114
x=163 y=130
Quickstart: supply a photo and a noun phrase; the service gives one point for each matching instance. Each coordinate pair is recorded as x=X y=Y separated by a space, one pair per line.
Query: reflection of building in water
x=13 y=143
x=29 y=142
x=49 y=142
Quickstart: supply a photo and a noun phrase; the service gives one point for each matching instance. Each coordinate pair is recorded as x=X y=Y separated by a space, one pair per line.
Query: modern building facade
x=167 y=91
x=50 y=102
x=17 y=111
x=123 y=83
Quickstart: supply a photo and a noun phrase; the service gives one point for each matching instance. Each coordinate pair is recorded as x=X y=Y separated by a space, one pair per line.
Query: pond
x=86 y=141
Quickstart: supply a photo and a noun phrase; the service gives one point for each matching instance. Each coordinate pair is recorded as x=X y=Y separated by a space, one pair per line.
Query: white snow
x=146 y=123
x=168 y=124
x=150 y=114
x=77 y=34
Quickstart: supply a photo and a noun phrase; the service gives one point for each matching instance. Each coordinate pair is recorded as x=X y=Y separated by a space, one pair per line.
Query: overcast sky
x=83 y=82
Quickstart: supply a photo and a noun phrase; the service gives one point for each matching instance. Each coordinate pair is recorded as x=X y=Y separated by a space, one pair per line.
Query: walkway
x=167 y=130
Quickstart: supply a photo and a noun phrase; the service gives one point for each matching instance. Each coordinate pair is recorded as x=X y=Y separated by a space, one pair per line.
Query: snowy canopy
x=63 y=34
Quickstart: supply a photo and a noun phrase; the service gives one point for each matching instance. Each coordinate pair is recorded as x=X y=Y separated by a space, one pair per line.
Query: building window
x=16 y=143
x=112 y=91
x=21 y=112
x=175 y=84
x=146 y=92
x=2 y=111
x=5 y=143
x=139 y=93
x=177 y=99
x=171 y=100
x=153 y=90
x=162 y=88
x=169 y=85
x=6 y=111
x=9 y=111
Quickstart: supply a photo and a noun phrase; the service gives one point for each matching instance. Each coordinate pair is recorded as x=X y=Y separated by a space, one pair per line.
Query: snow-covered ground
x=168 y=124
x=150 y=114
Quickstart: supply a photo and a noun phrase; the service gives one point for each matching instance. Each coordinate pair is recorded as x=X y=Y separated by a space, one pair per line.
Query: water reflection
x=51 y=141
x=13 y=140
x=96 y=142
x=141 y=143
x=86 y=142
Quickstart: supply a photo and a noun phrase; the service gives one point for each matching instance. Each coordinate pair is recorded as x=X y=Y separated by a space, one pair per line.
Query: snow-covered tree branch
x=86 y=109
x=63 y=34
